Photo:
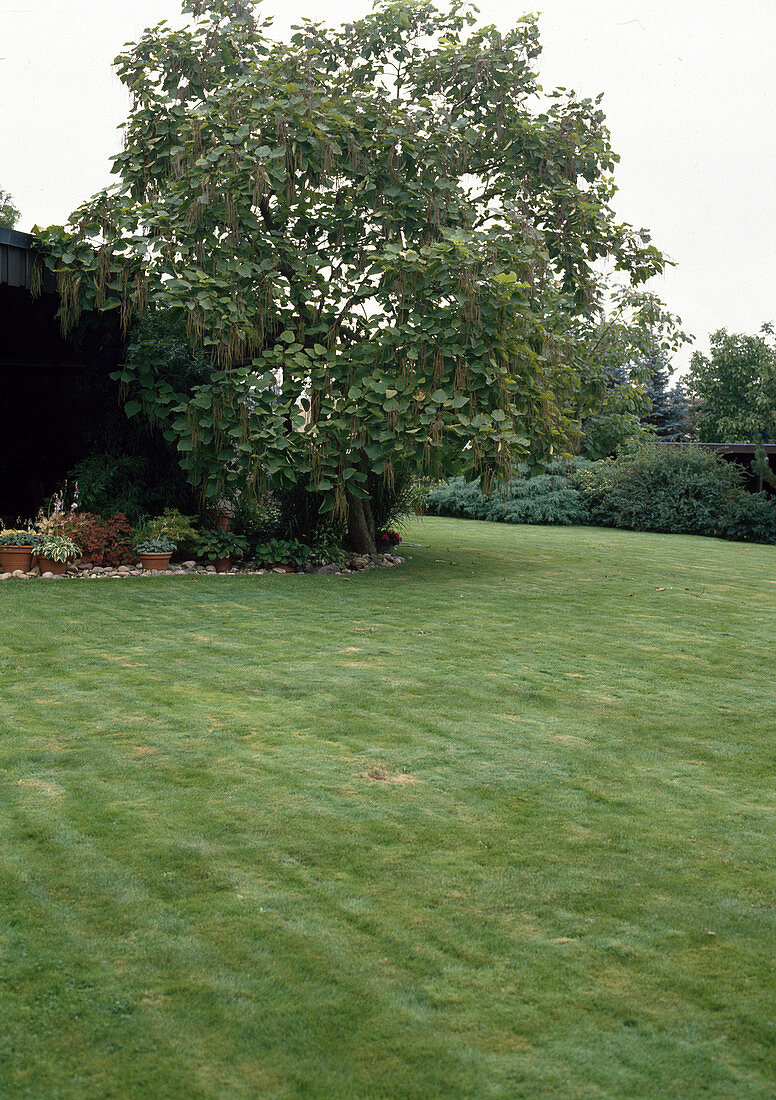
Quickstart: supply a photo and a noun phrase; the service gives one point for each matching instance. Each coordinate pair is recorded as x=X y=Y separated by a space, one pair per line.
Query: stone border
x=79 y=571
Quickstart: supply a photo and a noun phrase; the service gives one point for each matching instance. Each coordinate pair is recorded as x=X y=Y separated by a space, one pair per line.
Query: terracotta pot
x=223 y=520
x=16 y=557
x=156 y=563
x=223 y=565
x=48 y=565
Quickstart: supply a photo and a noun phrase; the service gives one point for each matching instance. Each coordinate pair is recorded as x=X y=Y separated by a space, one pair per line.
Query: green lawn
x=499 y=823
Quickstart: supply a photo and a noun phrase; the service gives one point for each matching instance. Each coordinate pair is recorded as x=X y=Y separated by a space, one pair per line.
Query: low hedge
x=547 y=498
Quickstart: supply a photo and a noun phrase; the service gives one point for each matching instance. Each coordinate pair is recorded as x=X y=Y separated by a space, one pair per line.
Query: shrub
x=671 y=489
x=753 y=519
x=103 y=541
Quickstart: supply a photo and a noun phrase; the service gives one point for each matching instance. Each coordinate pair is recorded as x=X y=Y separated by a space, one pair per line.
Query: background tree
x=9 y=215
x=668 y=415
x=736 y=385
x=378 y=234
x=615 y=356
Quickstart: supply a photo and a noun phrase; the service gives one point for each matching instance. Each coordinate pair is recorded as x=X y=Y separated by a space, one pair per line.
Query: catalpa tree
x=375 y=234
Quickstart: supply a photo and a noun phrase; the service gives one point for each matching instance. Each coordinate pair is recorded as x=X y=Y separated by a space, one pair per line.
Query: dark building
x=50 y=407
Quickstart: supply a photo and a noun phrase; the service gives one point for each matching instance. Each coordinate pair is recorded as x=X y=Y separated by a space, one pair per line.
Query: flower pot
x=48 y=565
x=155 y=563
x=223 y=565
x=16 y=557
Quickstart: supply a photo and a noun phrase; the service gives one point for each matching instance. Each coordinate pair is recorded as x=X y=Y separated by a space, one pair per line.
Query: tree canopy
x=736 y=387
x=615 y=358
x=381 y=235
x=9 y=215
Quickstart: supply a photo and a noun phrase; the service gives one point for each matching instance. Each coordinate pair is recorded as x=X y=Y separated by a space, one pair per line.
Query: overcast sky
x=689 y=92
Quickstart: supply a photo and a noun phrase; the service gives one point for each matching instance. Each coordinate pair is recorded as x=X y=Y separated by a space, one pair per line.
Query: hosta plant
x=218 y=544
x=161 y=545
x=57 y=548
x=12 y=536
x=283 y=552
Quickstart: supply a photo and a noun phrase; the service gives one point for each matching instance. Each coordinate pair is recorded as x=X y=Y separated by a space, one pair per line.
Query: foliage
x=103 y=540
x=751 y=519
x=128 y=483
x=173 y=525
x=379 y=235
x=9 y=215
x=682 y=490
x=418 y=493
x=283 y=552
x=58 y=547
x=218 y=543
x=14 y=536
x=325 y=547
x=736 y=385
x=258 y=518
x=547 y=498
x=614 y=354
x=392 y=501
x=162 y=545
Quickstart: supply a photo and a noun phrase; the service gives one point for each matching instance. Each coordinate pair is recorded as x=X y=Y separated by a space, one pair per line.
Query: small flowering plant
x=387 y=539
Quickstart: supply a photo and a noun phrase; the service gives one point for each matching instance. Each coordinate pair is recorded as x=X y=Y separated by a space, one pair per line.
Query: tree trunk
x=361 y=526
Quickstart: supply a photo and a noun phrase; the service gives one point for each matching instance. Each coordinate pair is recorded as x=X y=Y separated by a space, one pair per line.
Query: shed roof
x=16 y=258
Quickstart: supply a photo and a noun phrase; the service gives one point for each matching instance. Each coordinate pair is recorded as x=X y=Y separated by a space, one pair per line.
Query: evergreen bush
x=548 y=498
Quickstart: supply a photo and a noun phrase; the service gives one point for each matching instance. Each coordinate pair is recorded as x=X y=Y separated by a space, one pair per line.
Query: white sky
x=690 y=97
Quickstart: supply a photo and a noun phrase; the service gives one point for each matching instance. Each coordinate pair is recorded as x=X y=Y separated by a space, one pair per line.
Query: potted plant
x=54 y=552
x=172 y=525
x=155 y=554
x=386 y=540
x=290 y=555
x=16 y=549
x=219 y=547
